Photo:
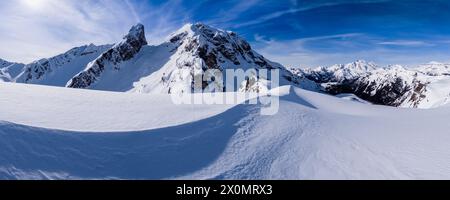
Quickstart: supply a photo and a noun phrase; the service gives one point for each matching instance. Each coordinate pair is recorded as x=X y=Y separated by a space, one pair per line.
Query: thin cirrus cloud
x=406 y=43
x=344 y=48
x=306 y=6
x=34 y=29
x=292 y=32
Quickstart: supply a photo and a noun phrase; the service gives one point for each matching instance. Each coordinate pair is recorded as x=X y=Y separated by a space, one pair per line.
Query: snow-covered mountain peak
x=196 y=30
x=340 y=72
x=123 y=51
x=134 y=38
x=211 y=44
x=198 y=47
x=351 y=69
x=132 y=65
x=362 y=65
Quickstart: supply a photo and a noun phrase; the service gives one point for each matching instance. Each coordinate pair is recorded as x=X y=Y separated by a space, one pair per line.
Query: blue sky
x=296 y=33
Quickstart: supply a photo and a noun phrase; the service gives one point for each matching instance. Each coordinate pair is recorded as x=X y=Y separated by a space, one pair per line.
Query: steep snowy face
x=56 y=71
x=111 y=59
x=198 y=48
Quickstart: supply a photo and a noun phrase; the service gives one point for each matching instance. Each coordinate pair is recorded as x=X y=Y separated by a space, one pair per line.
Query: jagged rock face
x=216 y=47
x=123 y=51
x=60 y=66
x=199 y=48
x=392 y=86
x=384 y=87
x=174 y=66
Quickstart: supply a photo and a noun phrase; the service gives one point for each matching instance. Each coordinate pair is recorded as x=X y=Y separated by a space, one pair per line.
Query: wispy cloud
x=48 y=27
x=343 y=48
x=34 y=29
x=298 y=45
x=302 y=8
x=163 y=19
x=230 y=14
x=406 y=43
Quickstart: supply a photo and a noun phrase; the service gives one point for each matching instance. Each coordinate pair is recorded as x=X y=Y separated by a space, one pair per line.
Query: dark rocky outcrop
x=123 y=51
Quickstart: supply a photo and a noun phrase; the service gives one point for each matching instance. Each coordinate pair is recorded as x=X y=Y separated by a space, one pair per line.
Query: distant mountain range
x=132 y=65
x=426 y=86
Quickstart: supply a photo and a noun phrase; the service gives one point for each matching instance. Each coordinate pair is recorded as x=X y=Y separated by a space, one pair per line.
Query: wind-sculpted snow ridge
x=422 y=87
x=313 y=136
x=95 y=111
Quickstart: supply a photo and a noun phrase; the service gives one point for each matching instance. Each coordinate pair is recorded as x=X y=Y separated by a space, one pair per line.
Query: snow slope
x=86 y=110
x=57 y=70
x=313 y=136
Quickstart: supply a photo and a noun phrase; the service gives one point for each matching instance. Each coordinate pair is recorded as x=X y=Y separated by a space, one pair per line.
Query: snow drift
x=313 y=136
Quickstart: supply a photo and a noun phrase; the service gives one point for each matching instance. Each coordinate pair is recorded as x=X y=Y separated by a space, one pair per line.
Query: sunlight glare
x=34 y=4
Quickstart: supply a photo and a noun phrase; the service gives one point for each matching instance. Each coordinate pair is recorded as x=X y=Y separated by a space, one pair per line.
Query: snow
x=87 y=110
x=146 y=62
x=352 y=97
x=57 y=70
x=104 y=135
x=437 y=93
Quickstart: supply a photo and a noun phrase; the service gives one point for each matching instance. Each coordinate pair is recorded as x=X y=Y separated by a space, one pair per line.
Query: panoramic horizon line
x=210 y=26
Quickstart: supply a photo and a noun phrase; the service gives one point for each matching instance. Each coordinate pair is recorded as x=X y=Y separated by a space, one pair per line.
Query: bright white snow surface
x=94 y=135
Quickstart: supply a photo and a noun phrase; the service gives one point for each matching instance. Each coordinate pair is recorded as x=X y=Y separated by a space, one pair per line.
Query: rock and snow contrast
x=106 y=112
x=133 y=66
x=426 y=86
x=171 y=67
